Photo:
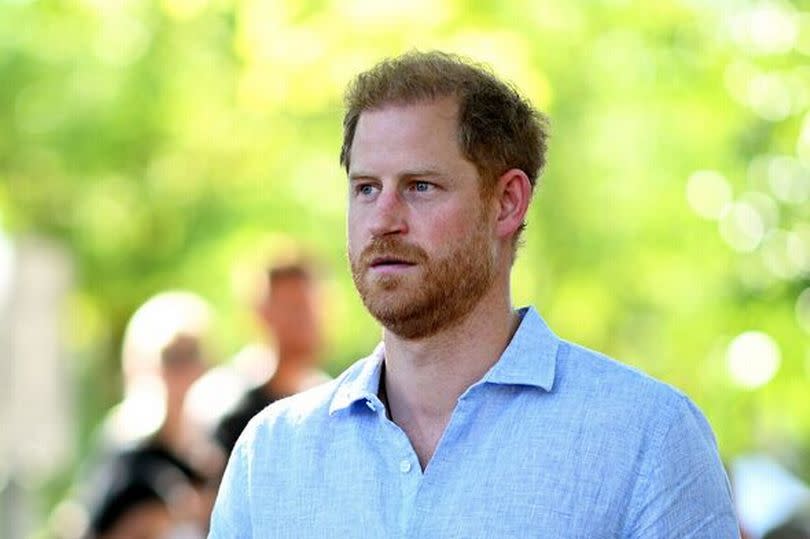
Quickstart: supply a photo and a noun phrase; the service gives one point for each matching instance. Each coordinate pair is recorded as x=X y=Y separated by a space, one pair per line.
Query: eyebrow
x=408 y=174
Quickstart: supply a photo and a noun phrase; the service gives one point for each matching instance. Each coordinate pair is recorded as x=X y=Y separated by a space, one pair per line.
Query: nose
x=389 y=214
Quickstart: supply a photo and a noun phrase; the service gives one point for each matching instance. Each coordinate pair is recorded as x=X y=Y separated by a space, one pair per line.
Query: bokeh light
x=753 y=359
x=779 y=256
x=742 y=226
x=769 y=27
x=789 y=180
x=708 y=193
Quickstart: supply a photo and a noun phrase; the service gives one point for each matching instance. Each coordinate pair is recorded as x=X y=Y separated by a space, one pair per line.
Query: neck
x=290 y=375
x=424 y=378
x=171 y=432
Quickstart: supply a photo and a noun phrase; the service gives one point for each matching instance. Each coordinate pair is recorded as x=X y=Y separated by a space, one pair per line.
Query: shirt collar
x=360 y=383
x=530 y=359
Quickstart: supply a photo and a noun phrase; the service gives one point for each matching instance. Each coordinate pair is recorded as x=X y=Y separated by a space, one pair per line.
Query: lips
x=389 y=256
x=387 y=261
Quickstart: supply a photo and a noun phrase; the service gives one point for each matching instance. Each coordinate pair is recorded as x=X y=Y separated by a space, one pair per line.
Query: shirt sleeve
x=230 y=518
x=683 y=491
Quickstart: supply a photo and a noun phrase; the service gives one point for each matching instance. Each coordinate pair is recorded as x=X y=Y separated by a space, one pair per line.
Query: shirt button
x=404 y=466
x=371 y=406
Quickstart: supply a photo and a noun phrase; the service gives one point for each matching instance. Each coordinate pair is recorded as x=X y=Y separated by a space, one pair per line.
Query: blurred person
x=789 y=530
x=471 y=418
x=795 y=526
x=147 y=492
x=769 y=496
x=288 y=309
x=143 y=484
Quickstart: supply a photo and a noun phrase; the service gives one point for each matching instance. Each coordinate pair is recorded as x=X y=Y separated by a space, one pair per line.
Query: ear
x=513 y=192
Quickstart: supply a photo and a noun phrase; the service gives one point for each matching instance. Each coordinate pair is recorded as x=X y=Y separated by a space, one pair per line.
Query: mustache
x=392 y=248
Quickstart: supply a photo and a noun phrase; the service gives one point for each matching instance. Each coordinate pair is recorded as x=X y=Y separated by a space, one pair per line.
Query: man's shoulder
x=636 y=411
x=309 y=408
x=598 y=363
x=608 y=381
x=576 y=376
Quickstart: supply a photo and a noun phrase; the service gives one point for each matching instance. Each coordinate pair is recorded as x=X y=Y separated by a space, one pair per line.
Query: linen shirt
x=555 y=441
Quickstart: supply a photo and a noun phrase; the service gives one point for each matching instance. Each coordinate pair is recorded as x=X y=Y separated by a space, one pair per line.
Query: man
x=288 y=312
x=471 y=419
x=145 y=482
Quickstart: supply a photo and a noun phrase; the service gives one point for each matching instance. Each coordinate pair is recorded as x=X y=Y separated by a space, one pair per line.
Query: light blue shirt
x=555 y=441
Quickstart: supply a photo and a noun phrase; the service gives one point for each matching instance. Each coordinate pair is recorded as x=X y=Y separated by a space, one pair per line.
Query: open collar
x=529 y=359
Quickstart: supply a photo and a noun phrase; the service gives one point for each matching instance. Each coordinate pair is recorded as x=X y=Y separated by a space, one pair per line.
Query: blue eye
x=365 y=189
x=422 y=187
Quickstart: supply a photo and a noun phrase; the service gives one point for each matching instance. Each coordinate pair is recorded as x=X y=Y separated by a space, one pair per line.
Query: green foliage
x=163 y=142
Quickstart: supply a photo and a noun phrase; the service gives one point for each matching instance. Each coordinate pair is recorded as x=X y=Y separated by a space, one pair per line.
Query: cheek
x=450 y=225
x=354 y=233
x=352 y=246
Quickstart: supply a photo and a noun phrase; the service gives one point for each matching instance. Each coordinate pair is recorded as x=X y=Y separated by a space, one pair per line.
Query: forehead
x=290 y=286
x=401 y=133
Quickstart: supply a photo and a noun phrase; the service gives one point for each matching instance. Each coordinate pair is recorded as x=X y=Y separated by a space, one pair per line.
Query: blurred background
x=148 y=145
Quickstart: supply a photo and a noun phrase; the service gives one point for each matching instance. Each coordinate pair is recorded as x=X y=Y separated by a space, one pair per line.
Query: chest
x=424 y=437
x=491 y=475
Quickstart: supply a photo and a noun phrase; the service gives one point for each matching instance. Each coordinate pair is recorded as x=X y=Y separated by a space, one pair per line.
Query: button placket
x=432 y=480
x=403 y=461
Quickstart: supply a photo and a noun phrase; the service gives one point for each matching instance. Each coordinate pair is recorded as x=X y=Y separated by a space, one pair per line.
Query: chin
x=386 y=283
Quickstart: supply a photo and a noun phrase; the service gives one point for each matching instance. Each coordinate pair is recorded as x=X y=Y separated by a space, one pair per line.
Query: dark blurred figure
x=788 y=530
x=796 y=527
x=144 y=485
x=288 y=309
x=147 y=492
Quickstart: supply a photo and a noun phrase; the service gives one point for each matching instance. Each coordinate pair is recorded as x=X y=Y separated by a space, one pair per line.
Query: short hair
x=293 y=263
x=498 y=129
x=157 y=324
x=290 y=269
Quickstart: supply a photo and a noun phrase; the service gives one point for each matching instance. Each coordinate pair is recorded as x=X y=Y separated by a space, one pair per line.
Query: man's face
x=181 y=364
x=420 y=238
x=292 y=314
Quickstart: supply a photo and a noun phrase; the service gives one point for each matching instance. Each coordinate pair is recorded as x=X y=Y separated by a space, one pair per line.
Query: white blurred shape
x=256 y=363
x=752 y=358
x=156 y=323
x=799 y=247
x=803 y=41
x=798 y=80
x=139 y=415
x=766 y=28
x=766 y=494
x=213 y=394
x=765 y=205
x=789 y=181
x=742 y=227
x=35 y=395
x=769 y=96
x=708 y=193
x=777 y=257
x=69 y=519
